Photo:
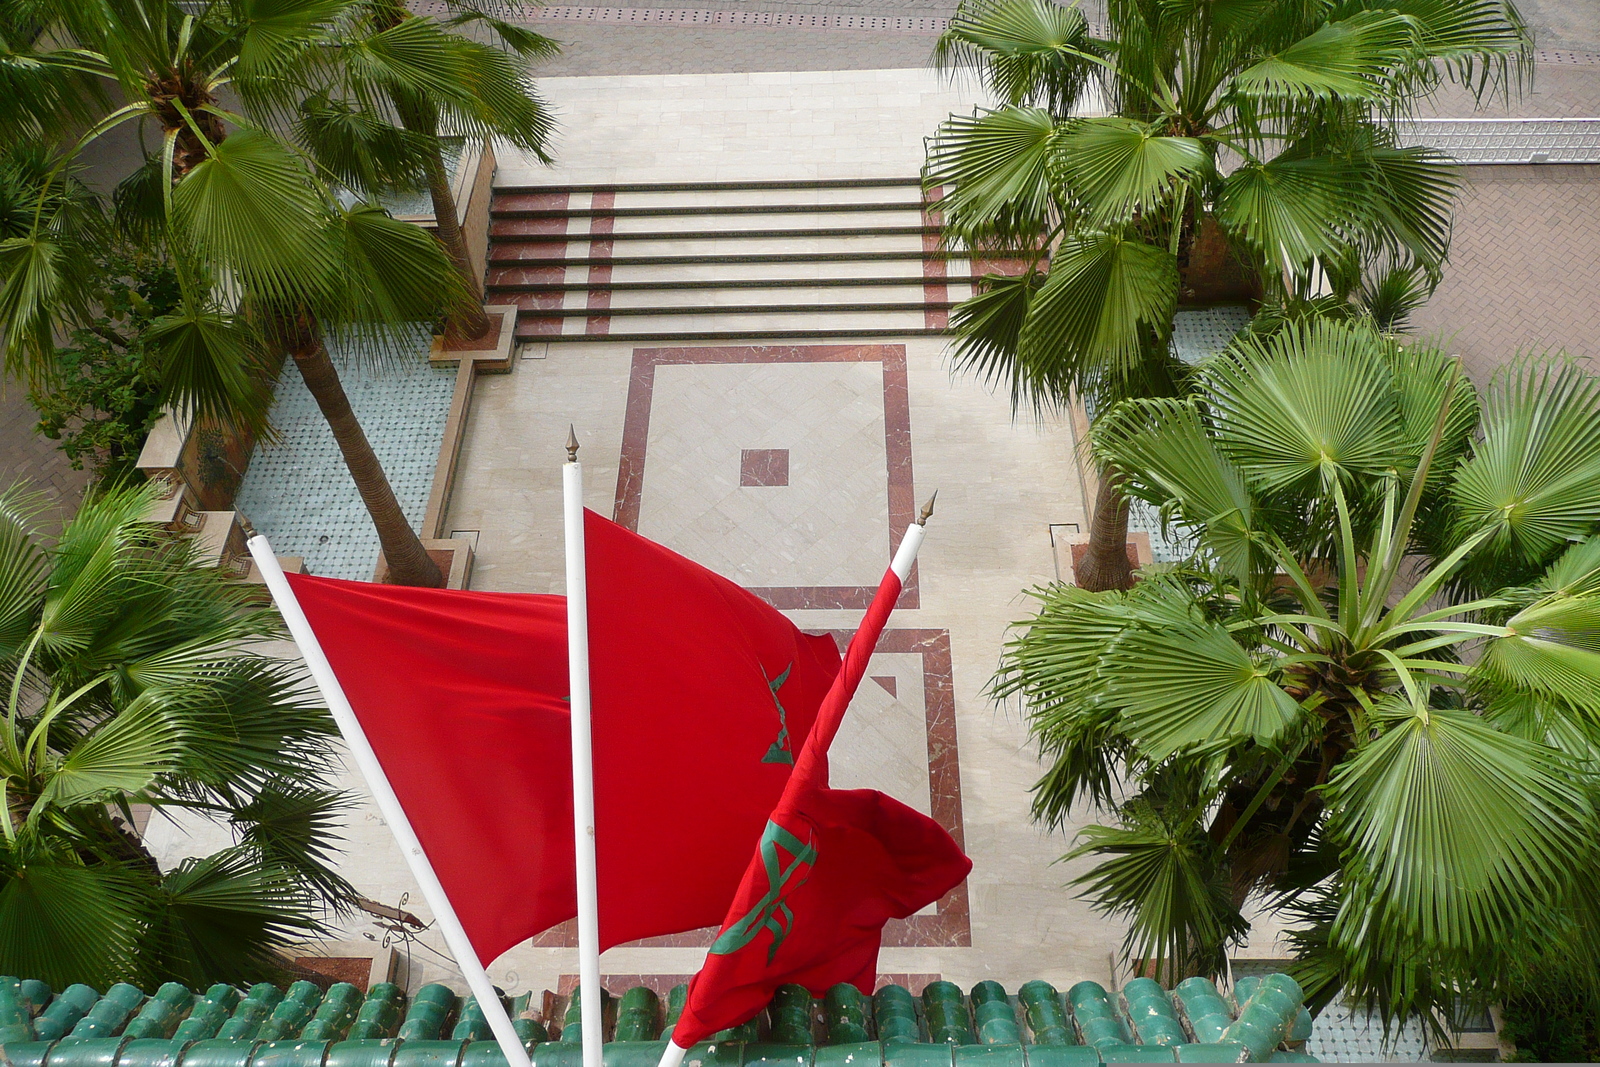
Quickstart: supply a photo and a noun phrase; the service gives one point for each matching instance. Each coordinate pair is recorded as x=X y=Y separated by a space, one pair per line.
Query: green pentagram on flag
x=780 y=751
x=771 y=912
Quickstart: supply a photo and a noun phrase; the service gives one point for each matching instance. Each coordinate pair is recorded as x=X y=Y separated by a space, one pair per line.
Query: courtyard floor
x=867 y=428
x=866 y=431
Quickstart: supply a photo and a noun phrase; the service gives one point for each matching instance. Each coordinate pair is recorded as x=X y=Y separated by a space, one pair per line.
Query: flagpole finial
x=927 y=509
x=572 y=444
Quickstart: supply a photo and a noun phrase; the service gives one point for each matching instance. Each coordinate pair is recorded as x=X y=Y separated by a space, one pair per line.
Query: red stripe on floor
x=600 y=274
x=934 y=267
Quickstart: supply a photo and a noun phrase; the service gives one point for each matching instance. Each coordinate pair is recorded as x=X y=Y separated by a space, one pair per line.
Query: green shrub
x=102 y=397
x=1553 y=1016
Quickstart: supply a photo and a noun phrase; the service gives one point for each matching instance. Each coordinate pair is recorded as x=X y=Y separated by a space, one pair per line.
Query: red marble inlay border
x=540 y=239
x=599 y=320
x=934 y=267
x=913 y=983
x=950 y=925
x=897 y=450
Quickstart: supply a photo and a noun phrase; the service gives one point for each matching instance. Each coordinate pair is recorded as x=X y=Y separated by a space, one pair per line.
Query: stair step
x=824 y=272
x=684 y=247
x=816 y=233
x=818 y=221
x=614 y=311
x=687 y=210
x=690 y=244
x=728 y=321
x=689 y=187
x=875 y=256
x=725 y=335
x=726 y=283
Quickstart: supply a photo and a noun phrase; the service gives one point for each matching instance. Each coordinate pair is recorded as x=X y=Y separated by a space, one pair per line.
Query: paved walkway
x=25 y=455
x=1524 y=266
x=1568 y=24
x=607 y=49
x=795 y=468
x=866 y=430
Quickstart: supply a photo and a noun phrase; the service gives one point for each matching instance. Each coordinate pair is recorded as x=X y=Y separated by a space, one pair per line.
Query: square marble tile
x=827 y=526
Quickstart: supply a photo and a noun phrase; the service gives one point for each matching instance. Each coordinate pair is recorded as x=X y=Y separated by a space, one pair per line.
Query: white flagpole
x=355 y=740
x=582 y=755
x=904 y=557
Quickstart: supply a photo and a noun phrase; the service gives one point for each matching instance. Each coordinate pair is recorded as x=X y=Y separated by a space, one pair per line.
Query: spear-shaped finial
x=927 y=509
x=572 y=444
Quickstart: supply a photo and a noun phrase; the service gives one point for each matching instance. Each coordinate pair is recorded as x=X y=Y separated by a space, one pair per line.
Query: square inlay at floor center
x=784 y=469
x=764 y=468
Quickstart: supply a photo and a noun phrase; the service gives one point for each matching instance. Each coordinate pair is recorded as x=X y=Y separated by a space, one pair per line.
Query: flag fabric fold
x=832 y=867
x=698 y=690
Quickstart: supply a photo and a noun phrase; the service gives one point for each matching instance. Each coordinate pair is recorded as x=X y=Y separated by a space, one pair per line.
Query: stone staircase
x=751 y=260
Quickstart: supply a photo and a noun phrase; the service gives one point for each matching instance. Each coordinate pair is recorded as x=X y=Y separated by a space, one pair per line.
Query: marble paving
x=815 y=528
x=794 y=469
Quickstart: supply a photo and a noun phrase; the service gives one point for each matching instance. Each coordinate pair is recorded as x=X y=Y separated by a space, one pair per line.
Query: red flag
x=697 y=687
x=832 y=867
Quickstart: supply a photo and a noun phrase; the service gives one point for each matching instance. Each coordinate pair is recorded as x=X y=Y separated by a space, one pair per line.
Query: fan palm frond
x=1029 y=52
x=226 y=917
x=1534 y=478
x=995 y=167
x=64 y=922
x=1105 y=302
x=1166 y=879
x=1453 y=829
x=1258 y=397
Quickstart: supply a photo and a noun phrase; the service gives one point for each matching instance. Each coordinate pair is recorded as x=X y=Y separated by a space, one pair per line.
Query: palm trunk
x=409 y=563
x=419 y=117
x=471 y=322
x=1105 y=564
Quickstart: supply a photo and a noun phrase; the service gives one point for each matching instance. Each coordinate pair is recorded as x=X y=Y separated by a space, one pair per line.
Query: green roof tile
x=946 y=1027
x=946 y=1012
x=895 y=1012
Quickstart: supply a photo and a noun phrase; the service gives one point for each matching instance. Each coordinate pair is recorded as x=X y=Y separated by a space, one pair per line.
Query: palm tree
x=266 y=256
x=437 y=83
x=130 y=678
x=41 y=89
x=1240 y=134
x=1369 y=699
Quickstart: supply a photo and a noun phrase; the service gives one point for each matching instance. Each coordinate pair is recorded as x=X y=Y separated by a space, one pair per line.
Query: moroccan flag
x=832 y=867
x=697 y=689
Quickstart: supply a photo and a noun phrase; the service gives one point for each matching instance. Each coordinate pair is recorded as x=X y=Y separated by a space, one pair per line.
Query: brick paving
x=1560 y=90
x=601 y=49
x=1524 y=266
x=1572 y=24
x=24 y=454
